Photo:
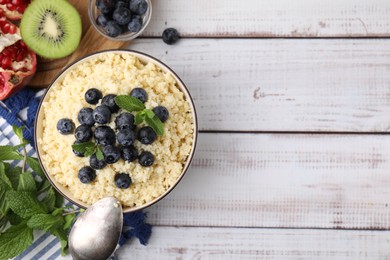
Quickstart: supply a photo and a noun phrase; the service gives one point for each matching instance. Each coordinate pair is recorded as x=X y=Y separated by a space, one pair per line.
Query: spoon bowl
x=96 y=232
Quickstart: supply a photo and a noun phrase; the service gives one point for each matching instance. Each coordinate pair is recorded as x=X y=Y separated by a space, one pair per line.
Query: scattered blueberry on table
x=170 y=36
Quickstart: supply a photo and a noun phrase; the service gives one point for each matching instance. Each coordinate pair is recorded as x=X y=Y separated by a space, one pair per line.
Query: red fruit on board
x=13 y=9
x=18 y=64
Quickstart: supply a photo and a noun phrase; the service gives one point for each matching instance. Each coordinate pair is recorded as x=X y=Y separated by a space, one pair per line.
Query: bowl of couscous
x=91 y=144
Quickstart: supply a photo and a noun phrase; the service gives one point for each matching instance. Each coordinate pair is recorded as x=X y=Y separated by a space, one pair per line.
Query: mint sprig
x=89 y=148
x=28 y=203
x=133 y=104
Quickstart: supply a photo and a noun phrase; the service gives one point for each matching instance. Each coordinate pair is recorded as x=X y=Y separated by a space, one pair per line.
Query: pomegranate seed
x=13 y=29
x=5 y=28
x=6 y=63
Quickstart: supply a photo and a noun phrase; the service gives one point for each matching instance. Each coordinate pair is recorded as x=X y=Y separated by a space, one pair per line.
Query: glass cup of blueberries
x=120 y=20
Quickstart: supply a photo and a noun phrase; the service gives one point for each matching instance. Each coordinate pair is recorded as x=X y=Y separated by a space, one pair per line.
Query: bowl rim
x=122 y=37
x=159 y=63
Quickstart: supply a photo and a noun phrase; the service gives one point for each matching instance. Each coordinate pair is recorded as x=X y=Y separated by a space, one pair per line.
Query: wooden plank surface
x=283 y=85
x=252 y=243
x=280 y=180
x=272 y=18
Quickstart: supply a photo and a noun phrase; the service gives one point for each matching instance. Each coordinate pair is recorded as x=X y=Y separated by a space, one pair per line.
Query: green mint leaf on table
x=9 y=153
x=14 y=175
x=68 y=221
x=19 y=132
x=3 y=176
x=50 y=200
x=156 y=124
x=15 y=240
x=99 y=153
x=43 y=186
x=27 y=183
x=129 y=103
x=13 y=218
x=35 y=166
x=59 y=201
x=62 y=235
x=45 y=222
x=24 y=204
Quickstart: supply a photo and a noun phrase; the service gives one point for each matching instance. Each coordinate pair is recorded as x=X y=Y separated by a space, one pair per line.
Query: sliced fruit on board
x=17 y=67
x=13 y=9
x=51 y=28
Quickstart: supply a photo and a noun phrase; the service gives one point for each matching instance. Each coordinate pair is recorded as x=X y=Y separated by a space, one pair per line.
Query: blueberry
x=146 y=159
x=112 y=29
x=111 y=154
x=65 y=126
x=129 y=154
x=92 y=96
x=77 y=153
x=122 y=16
x=146 y=135
x=139 y=93
x=109 y=101
x=121 y=4
x=102 y=20
x=170 y=36
x=161 y=112
x=125 y=137
x=104 y=135
x=122 y=180
x=105 y=6
x=95 y=163
x=85 y=116
x=87 y=175
x=101 y=114
x=83 y=133
x=138 y=6
x=135 y=24
x=124 y=121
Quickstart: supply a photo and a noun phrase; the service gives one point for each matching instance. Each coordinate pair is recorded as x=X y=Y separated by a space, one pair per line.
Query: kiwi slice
x=51 y=28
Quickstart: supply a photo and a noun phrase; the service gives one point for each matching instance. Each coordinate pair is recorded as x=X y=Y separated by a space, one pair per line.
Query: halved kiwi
x=51 y=28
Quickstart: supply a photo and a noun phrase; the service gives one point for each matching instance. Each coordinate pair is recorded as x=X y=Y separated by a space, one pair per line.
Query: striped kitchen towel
x=20 y=110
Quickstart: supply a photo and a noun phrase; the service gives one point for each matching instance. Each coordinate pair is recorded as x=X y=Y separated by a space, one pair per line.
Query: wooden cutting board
x=91 y=41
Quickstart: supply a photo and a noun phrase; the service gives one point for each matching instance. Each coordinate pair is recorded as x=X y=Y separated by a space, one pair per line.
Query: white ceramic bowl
x=39 y=126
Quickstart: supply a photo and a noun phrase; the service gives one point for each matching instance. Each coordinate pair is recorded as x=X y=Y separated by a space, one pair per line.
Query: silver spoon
x=96 y=232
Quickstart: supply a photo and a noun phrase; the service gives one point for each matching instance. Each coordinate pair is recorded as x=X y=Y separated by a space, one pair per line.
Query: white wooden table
x=293 y=158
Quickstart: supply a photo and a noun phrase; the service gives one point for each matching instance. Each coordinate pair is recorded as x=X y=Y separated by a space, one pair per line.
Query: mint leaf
x=19 y=133
x=49 y=200
x=3 y=176
x=129 y=103
x=14 y=175
x=62 y=235
x=149 y=113
x=99 y=154
x=44 y=186
x=59 y=200
x=4 y=208
x=26 y=182
x=156 y=124
x=45 y=221
x=15 y=240
x=9 y=153
x=13 y=218
x=68 y=221
x=89 y=151
x=82 y=147
x=35 y=166
x=23 y=203
x=139 y=117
